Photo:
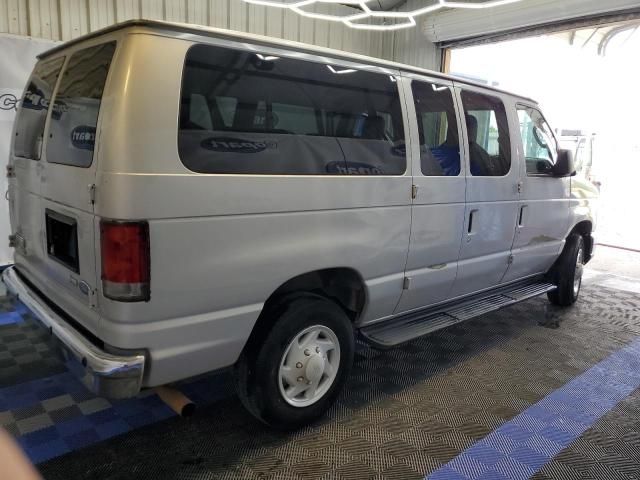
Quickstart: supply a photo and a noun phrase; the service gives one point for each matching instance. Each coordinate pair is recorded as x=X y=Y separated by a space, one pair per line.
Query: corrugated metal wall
x=523 y=18
x=66 y=19
x=410 y=45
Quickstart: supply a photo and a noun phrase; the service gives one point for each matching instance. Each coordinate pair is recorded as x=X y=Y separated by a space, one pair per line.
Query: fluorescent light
x=341 y=72
x=354 y=20
x=266 y=58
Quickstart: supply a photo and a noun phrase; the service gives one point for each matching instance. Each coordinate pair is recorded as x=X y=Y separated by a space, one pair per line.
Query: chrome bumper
x=105 y=374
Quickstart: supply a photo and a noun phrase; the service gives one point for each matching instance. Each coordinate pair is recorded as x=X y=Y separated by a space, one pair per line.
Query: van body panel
x=222 y=244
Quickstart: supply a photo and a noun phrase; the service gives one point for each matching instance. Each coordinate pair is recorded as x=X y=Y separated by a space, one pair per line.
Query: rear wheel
x=292 y=374
x=567 y=272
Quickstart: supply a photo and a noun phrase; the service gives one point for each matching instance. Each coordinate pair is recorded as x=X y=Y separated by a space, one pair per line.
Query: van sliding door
x=439 y=191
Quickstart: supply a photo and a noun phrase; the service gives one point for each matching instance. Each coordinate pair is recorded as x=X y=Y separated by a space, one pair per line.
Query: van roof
x=169 y=28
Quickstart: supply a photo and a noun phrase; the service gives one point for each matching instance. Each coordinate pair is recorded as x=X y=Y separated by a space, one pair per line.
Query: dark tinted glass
x=72 y=131
x=488 y=132
x=33 y=109
x=437 y=129
x=243 y=112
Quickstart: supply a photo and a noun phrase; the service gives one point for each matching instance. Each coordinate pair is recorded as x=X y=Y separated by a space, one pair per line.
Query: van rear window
x=251 y=113
x=72 y=131
x=33 y=108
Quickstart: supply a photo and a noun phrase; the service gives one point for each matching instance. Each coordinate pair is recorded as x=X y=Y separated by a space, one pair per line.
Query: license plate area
x=62 y=239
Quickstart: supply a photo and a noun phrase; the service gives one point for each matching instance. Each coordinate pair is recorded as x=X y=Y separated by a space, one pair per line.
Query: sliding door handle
x=472 y=222
x=521 y=215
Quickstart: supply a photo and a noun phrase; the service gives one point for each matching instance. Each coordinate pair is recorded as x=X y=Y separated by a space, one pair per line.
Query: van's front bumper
x=105 y=374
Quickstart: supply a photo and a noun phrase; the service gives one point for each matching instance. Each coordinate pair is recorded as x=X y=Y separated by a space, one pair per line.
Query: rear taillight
x=125 y=260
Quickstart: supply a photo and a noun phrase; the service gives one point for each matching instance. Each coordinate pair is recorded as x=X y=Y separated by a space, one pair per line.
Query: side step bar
x=412 y=325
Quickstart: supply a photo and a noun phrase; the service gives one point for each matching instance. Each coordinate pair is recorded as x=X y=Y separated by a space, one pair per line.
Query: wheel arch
x=343 y=285
x=584 y=228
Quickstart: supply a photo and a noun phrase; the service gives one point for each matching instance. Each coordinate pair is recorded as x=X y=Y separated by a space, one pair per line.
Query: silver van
x=185 y=200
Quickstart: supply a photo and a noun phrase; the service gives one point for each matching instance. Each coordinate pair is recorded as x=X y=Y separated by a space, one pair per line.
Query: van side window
x=538 y=143
x=72 y=133
x=437 y=129
x=488 y=134
x=283 y=116
x=34 y=107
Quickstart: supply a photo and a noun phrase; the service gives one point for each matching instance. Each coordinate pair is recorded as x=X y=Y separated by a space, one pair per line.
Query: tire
x=261 y=370
x=567 y=272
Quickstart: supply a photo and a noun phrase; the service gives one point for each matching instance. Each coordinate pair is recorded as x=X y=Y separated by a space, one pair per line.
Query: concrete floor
x=616 y=261
x=512 y=394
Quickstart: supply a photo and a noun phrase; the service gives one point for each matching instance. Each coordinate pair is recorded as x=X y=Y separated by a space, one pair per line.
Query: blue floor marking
x=522 y=446
x=81 y=431
x=9 y=318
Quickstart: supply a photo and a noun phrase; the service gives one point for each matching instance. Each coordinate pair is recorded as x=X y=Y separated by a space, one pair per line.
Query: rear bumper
x=105 y=374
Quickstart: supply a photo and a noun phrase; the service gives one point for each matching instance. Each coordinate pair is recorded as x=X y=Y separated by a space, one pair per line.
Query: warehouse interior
x=530 y=391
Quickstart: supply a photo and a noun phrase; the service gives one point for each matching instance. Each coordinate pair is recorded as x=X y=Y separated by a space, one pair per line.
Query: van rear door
x=61 y=253
x=25 y=165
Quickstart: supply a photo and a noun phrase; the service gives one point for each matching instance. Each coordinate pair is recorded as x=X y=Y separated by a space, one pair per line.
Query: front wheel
x=293 y=374
x=567 y=273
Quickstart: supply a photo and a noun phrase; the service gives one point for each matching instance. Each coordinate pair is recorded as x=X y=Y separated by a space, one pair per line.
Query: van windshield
x=34 y=107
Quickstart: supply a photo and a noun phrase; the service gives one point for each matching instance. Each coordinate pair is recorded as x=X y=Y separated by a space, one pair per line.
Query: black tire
x=257 y=371
x=565 y=274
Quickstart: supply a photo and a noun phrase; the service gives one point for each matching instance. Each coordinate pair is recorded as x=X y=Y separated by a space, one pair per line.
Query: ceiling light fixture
x=401 y=19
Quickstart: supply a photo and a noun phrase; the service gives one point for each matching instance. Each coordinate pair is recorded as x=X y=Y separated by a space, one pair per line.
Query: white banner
x=17 y=58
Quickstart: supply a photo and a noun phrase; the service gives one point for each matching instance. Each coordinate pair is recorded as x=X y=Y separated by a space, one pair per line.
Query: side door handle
x=472 y=222
x=521 y=215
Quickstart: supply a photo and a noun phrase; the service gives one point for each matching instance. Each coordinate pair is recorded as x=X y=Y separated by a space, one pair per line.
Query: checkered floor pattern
x=406 y=413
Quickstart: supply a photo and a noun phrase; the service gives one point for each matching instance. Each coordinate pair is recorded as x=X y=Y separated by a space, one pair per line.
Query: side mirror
x=565 y=165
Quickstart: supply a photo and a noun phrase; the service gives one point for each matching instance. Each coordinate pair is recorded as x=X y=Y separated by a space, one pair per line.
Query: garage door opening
x=585 y=82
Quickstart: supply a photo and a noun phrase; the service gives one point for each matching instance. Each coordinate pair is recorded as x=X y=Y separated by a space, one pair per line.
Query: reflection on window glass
x=580 y=162
x=295 y=117
x=199 y=114
x=437 y=129
x=488 y=133
x=226 y=107
x=33 y=108
x=287 y=116
x=76 y=106
x=538 y=143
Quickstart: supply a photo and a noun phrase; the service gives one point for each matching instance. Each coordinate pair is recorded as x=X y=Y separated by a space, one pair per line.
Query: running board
x=412 y=325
